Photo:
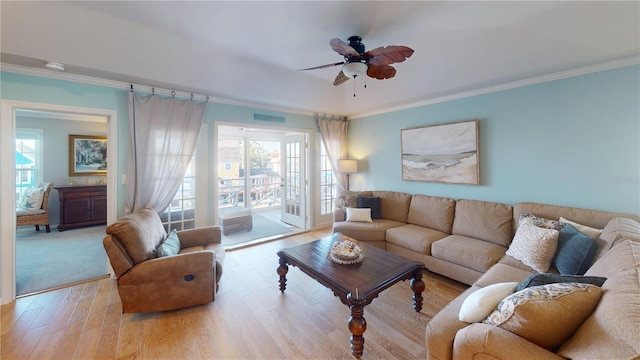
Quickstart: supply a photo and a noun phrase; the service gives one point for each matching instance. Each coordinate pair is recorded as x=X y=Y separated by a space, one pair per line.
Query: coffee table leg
x=357 y=326
x=417 y=285
x=282 y=271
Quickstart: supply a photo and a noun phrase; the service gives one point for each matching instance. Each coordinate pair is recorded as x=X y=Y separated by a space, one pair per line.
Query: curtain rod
x=160 y=91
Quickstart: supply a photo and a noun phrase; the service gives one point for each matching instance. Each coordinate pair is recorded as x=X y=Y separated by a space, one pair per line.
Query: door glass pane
x=327 y=183
x=264 y=162
x=230 y=172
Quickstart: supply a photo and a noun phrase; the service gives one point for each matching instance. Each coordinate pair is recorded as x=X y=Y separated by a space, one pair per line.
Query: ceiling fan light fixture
x=354 y=69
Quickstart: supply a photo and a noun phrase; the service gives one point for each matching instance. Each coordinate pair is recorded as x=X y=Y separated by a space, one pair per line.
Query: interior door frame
x=7 y=180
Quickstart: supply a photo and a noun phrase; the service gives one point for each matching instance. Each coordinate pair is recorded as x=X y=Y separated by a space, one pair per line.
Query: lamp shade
x=354 y=69
x=347 y=166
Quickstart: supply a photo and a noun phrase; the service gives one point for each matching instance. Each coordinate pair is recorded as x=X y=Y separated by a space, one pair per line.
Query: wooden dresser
x=82 y=205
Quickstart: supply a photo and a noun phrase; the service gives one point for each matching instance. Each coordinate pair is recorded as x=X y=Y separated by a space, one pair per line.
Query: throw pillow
x=589 y=231
x=373 y=203
x=31 y=199
x=534 y=246
x=546 y=315
x=479 y=304
x=547 y=278
x=359 y=215
x=575 y=251
x=539 y=222
x=170 y=246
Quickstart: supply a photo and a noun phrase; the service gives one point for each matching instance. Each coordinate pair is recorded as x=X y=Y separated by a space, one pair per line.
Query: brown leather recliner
x=148 y=283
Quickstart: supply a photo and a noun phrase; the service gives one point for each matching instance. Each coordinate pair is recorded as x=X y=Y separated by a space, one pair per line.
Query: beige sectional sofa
x=459 y=239
x=467 y=240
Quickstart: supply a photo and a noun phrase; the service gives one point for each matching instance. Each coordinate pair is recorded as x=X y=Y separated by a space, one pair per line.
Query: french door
x=294 y=181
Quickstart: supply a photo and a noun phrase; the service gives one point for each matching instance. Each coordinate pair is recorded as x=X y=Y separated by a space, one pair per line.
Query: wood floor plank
x=250 y=318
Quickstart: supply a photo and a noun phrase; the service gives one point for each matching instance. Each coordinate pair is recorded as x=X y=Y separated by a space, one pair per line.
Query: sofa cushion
x=483 y=220
x=534 y=246
x=546 y=315
x=432 y=212
x=611 y=332
x=468 y=252
x=501 y=272
x=373 y=231
x=623 y=256
x=170 y=246
x=140 y=233
x=370 y=202
x=546 y=278
x=617 y=229
x=482 y=302
x=394 y=204
x=414 y=237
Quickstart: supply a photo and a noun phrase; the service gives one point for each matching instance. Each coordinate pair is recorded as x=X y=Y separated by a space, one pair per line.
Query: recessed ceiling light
x=54 y=66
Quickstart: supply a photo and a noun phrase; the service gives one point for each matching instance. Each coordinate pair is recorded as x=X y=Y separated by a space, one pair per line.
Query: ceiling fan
x=375 y=63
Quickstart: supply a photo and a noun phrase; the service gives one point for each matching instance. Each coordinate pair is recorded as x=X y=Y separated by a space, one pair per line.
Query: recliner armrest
x=492 y=342
x=170 y=267
x=200 y=236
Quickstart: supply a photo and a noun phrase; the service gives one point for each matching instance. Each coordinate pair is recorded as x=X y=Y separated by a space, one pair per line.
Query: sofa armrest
x=339 y=215
x=491 y=342
x=200 y=236
x=170 y=267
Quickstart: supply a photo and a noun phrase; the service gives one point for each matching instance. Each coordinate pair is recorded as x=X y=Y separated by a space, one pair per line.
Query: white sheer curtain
x=164 y=132
x=334 y=136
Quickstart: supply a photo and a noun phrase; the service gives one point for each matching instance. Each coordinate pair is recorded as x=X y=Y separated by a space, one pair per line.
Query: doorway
x=9 y=110
x=262 y=192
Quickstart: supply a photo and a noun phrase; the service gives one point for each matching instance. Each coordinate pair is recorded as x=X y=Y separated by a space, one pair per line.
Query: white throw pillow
x=357 y=214
x=32 y=199
x=589 y=231
x=534 y=246
x=477 y=306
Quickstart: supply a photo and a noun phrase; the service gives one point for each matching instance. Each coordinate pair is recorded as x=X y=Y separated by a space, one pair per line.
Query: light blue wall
x=50 y=91
x=573 y=142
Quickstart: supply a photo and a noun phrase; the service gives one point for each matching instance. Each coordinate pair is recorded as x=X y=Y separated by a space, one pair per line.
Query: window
x=28 y=159
x=180 y=215
x=327 y=183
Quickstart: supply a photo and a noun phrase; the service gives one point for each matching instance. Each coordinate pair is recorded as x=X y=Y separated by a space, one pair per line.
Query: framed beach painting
x=445 y=153
x=87 y=155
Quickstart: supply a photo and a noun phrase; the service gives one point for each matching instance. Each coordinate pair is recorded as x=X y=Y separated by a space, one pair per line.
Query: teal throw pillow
x=547 y=278
x=170 y=246
x=575 y=251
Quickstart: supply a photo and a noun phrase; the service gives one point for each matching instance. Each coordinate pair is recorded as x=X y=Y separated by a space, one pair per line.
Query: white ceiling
x=252 y=51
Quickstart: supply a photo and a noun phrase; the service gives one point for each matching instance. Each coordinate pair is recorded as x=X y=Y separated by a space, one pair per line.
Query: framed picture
x=87 y=155
x=441 y=153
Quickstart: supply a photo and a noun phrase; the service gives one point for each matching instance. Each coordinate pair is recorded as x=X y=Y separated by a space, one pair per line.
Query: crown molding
x=607 y=65
x=89 y=80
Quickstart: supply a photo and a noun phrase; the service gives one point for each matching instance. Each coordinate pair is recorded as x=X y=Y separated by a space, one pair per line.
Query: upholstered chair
x=39 y=216
x=157 y=271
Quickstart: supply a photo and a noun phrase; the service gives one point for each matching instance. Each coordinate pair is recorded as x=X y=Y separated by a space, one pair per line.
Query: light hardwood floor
x=250 y=318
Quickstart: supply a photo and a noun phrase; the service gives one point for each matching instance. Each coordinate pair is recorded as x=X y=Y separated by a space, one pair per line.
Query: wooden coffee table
x=357 y=284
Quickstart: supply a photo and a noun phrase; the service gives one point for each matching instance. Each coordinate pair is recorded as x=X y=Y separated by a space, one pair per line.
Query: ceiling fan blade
x=342 y=48
x=340 y=79
x=388 y=55
x=323 y=66
x=381 y=72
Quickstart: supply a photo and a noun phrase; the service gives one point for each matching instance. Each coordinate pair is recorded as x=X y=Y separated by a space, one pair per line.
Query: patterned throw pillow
x=31 y=199
x=546 y=315
x=347 y=199
x=540 y=222
x=534 y=246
